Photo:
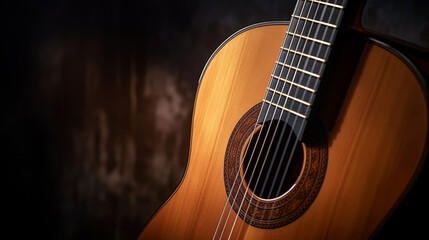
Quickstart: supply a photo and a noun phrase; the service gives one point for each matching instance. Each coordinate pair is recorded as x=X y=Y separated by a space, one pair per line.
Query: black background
x=94 y=139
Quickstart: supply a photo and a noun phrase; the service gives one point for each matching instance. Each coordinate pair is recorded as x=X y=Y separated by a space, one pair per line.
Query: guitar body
x=375 y=149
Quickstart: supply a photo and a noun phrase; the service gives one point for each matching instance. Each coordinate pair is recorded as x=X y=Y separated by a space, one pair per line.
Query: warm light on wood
x=374 y=151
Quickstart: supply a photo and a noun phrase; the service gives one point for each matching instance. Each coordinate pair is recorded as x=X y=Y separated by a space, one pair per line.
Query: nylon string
x=276 y=128
x=281 y=113
x=283 y=131
x=240 y=166
x=263 y=123
x=300 y=129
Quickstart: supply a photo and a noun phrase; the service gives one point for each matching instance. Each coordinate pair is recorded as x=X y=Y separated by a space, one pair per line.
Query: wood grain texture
x=308 y=177
x=374 y=151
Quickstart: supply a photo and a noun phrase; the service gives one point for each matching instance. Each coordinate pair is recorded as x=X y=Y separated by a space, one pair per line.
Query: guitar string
x=245 y=154
x=302 y=125
x=331 y=40
x=295 y=144
x=271 y=143
x=284 y=126
x=299 y=107
x=241 y=163
x=259 y=156
x=332 y=37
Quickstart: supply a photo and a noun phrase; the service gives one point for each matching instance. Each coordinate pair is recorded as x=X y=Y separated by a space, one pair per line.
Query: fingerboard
x=301 y=62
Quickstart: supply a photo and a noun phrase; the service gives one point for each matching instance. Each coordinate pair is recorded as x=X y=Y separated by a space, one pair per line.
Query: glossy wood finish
x=375 y=149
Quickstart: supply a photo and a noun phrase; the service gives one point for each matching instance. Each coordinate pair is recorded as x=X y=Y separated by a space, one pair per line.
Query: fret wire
x=294 y=83
x=304 y=54
x=325 y=42
x=315 y=21
x=311 y=39
x=328 y=4
x=299 y=69
x=286 y=109
x=287 y=96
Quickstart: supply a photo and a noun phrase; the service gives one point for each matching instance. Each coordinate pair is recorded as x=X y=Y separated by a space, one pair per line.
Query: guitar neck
x=301 y=62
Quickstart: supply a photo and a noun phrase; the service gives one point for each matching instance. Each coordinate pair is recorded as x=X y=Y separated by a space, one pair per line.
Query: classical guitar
x=306 y=130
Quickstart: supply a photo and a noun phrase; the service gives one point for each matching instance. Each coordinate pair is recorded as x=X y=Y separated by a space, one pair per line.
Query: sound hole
x=273 y=160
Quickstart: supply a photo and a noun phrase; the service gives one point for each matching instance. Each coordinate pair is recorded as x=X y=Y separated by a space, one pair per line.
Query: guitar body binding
x=356 y=177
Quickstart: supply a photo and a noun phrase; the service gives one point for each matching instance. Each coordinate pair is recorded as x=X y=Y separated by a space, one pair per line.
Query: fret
x=314 y=21
x=328 y=4
x=291 y=90
x=301 y=62
x=322 y=13
x=291 y=83
x=271 y=113
x=304 y=54
x=299 y=69
x=315 y=31
x=311 y=39
x=286 y=109
x=289 y=97
x=315 y=49
x=288 y=103
x=307 y=81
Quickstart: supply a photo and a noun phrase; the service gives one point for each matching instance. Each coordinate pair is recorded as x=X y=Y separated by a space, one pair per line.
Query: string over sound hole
x=301 y=190
x=273 y=160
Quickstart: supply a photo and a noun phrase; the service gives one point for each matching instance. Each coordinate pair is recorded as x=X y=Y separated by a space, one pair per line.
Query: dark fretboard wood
x=301 y=62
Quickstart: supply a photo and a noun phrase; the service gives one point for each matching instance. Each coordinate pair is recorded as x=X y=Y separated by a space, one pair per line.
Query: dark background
x=97 y=101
